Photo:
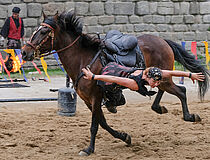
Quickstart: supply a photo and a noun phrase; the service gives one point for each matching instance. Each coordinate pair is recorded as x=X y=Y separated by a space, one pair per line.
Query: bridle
x=51 y=35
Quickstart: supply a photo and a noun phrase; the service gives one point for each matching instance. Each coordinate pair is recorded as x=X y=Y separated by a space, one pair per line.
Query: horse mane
x=72 y=24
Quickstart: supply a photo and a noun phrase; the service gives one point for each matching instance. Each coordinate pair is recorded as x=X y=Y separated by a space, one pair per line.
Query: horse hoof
x=163 y=109
x=197 y=118
x=128 y=139
x=82 y=153
x=159 y=109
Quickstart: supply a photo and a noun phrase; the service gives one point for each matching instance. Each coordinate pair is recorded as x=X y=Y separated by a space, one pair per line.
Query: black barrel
x=67 y=99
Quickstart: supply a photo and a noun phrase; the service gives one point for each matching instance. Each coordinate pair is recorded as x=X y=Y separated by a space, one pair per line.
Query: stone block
x=121 y=19
x=189 y=36
x=185 y=7
x=162 y=27
x=34 y=10
x=198 y=19
x=28 y=1
x=165 y=11
x=69 y=6
x=52 y=8
x=165 y=8
x=200 y=36
x=140 y=27
x=135 y=19
x=167 y=19
x=104 y=20
x=153 y=7
x=28 y=32
x=16 y=1
x=177 y=19
x=123 y=8
x=113 y=26
x=206 y=19
x=177 y=36
x=43 y=1
x=142 y=8
x=165 y=35
x=5 y=1
x=189 y=19
x=23 y=7
x=1 y=23
x=151 y=28
x=180 y=28
x=3 y=11
x=203 y=27
x=90 y=20
x=30 y=22
x=208 y=35
x=128 y=28
x=94 y=29
x=61 y=0
x=177 y=8
x=81 y=8
x=158 y=19
x=109 y=8
x=147 y=19
x=205 y=7
x=96 y=8
x=194 y=8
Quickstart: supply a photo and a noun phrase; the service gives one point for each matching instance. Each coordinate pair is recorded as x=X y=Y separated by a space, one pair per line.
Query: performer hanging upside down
x=135 y=79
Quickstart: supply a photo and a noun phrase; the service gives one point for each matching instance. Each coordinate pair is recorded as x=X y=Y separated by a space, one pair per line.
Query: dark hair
x=16 y=10
x=154 y=73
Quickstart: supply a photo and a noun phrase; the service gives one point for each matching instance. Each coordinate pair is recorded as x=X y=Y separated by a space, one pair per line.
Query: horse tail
x=188 y=61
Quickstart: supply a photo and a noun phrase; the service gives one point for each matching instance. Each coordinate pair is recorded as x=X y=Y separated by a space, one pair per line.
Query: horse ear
x=44 y=15
x=56 y=16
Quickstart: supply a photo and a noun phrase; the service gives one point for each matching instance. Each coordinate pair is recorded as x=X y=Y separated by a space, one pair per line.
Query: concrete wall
x=178 y=20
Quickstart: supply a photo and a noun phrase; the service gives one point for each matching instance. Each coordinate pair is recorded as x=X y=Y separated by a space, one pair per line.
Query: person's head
x=15 y=12
x=154 y=75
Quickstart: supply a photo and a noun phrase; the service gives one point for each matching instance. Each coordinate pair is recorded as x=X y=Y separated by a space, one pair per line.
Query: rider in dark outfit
x=113 y=92
x=117 y=77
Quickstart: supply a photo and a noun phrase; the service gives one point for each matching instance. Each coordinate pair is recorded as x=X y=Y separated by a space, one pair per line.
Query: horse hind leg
x=180 y=92
x=156 y=104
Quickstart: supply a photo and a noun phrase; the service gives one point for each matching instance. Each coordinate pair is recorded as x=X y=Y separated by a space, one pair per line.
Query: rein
x=51 y=34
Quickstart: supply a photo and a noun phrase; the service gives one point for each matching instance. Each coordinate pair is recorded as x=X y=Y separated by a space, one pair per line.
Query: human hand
x=88 y=73
x=197 y=76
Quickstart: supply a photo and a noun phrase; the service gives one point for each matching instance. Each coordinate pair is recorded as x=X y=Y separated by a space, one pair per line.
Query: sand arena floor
x=33 y=130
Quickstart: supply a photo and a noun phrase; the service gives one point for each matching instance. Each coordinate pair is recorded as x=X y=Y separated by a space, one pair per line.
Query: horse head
x=47 y=36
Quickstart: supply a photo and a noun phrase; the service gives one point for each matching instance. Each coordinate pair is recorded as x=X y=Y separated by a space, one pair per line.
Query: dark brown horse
x=76 y=50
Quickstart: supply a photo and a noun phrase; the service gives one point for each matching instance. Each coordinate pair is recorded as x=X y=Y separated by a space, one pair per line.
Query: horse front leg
x=93 y=131
x=120 y=135
x=156 y=104
x=180 y=92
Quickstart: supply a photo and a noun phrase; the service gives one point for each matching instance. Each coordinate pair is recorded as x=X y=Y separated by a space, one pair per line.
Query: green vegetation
x=208 y=29
x=34 y=73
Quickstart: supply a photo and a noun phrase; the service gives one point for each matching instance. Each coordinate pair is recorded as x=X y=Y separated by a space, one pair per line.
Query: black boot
x=114 y=100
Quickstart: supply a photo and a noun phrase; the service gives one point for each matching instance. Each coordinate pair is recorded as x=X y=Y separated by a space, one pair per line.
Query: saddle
x=123 y=49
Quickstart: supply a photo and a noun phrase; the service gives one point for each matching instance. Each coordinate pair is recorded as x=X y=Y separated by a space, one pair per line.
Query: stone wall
x=178 y=20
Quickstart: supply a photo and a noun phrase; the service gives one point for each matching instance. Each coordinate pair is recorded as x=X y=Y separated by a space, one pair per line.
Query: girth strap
x=88 y=66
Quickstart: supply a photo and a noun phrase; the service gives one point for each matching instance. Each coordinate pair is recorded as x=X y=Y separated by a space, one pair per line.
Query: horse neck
x=74 y=58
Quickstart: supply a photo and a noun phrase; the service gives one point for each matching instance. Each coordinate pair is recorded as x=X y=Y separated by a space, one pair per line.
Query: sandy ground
x=33 y=130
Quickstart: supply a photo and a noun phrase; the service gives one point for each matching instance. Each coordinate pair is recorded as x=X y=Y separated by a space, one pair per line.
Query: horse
x=76 y=50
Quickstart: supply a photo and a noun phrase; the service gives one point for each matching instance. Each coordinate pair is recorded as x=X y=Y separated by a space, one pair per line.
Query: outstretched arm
x=127 y=82
x=193 y=76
